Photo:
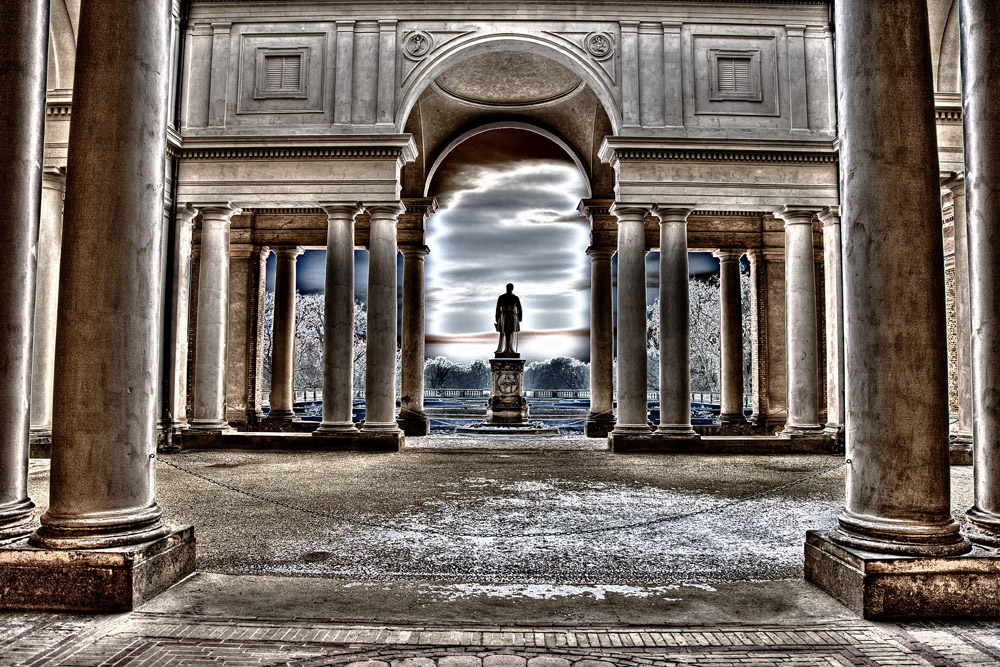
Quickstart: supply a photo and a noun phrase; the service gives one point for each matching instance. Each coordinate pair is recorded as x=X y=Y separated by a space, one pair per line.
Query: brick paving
x=162 y=639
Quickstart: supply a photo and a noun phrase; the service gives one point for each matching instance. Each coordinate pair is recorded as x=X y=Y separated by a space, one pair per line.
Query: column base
x=730 y=419
x=40 y=434
x=414 y=424
x=94 y=580
x=17 y=520
x=682 y=431
x=599 y=425
x=983 y=527
x=335 y=428
x=210 y=426
x=636 y=442
x=880 y=586
x=282 y=416
x=801 y=431
x=930 y=538
x=959 y=455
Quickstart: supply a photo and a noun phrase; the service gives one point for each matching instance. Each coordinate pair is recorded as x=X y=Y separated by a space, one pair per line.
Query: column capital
x=728 y=254
x=630 y=212
x=342 y=210
x=955 y=182
x=598 y=252
x=290 y=252
x=424 y=206
x=829 y=216
x=591 y=207
x=418 y=251
x=186 y=214
x=223 y=212
x=54 y=178
x=385 y=210
x=797 y=214
x=673 y=212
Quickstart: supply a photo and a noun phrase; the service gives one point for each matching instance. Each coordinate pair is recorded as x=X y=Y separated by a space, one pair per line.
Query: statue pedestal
x=507 y=403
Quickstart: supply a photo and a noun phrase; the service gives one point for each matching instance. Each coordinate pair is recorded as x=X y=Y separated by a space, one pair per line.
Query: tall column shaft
x=23 y=47
x=283 y=337
x=338 y=308
x=380 y=372
x=602 y=341
x=675 y=323
x=107 y=347
x=980 y=26
x=801 y=339
x=963 y=315
x=898 y=492
x=631 y=320
x=180 y=302
x=411 y=403
x=213 y=320
x=834 y=292
x=731 y=330
x=43 y=351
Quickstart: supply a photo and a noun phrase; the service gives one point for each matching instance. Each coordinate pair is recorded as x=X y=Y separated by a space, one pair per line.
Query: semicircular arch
x=506 y=125
x=452 y=53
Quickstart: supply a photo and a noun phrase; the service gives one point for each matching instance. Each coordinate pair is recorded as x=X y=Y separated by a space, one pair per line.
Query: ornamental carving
x=599 y=45
x=418 y=44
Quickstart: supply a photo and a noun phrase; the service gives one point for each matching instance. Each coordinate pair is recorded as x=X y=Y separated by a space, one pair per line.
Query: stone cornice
x=400 y=147
x=617 y=149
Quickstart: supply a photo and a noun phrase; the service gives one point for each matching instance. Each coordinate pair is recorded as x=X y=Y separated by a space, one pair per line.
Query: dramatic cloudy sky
x=507 y=213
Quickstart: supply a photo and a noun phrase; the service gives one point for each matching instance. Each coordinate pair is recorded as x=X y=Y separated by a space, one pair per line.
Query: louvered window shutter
x=282 y=73
x=734 y=75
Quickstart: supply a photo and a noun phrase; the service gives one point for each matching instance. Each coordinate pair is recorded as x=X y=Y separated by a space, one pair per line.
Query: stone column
x=179 y=314
x=963 y=316
x=412 y=419
x=43 y=350
x=23 y=45
x=675 y=324
x=601 y=418
x=283 y=337
x=107 y=347
x=380 y=371
x=338 y=337
x=213 y=320
x=731 y=330
x=898 y=496
x=980 y=23
x=834 y=292
x=801 y=337
x=631 y=320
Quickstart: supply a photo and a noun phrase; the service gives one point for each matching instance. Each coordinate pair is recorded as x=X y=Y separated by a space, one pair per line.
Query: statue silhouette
x=508 y=323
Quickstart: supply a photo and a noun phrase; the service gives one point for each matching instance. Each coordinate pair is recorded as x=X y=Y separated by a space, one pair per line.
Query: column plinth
x=283 y=338
x=412 y=419
x=338 y=341
x=209 y=409
x=631 y=320
x=981 y=120
x=380 y=370
x=601 y=417
x=23 y=45
x=731 y=329
x=801 y=338
x=675 y=324
x=898 y=495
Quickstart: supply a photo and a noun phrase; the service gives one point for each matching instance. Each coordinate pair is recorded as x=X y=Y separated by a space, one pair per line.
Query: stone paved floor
x=147 y=639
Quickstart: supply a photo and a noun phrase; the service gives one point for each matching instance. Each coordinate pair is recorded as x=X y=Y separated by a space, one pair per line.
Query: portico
x=692 y=134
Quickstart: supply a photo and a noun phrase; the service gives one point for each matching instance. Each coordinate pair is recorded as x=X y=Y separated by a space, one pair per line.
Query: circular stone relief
x=418 y=44
x=599 y=45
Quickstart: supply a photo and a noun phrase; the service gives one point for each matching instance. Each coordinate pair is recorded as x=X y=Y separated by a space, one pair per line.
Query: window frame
x=755 y=94
x=260 y=91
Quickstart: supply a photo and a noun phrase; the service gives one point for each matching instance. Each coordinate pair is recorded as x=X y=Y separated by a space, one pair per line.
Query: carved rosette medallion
x=600 y=45
x=418 y=44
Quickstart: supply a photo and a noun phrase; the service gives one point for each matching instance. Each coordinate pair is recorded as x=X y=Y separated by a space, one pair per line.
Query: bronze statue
x=508 y=323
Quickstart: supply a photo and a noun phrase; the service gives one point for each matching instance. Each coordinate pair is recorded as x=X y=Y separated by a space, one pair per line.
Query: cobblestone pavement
x=147 y=639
